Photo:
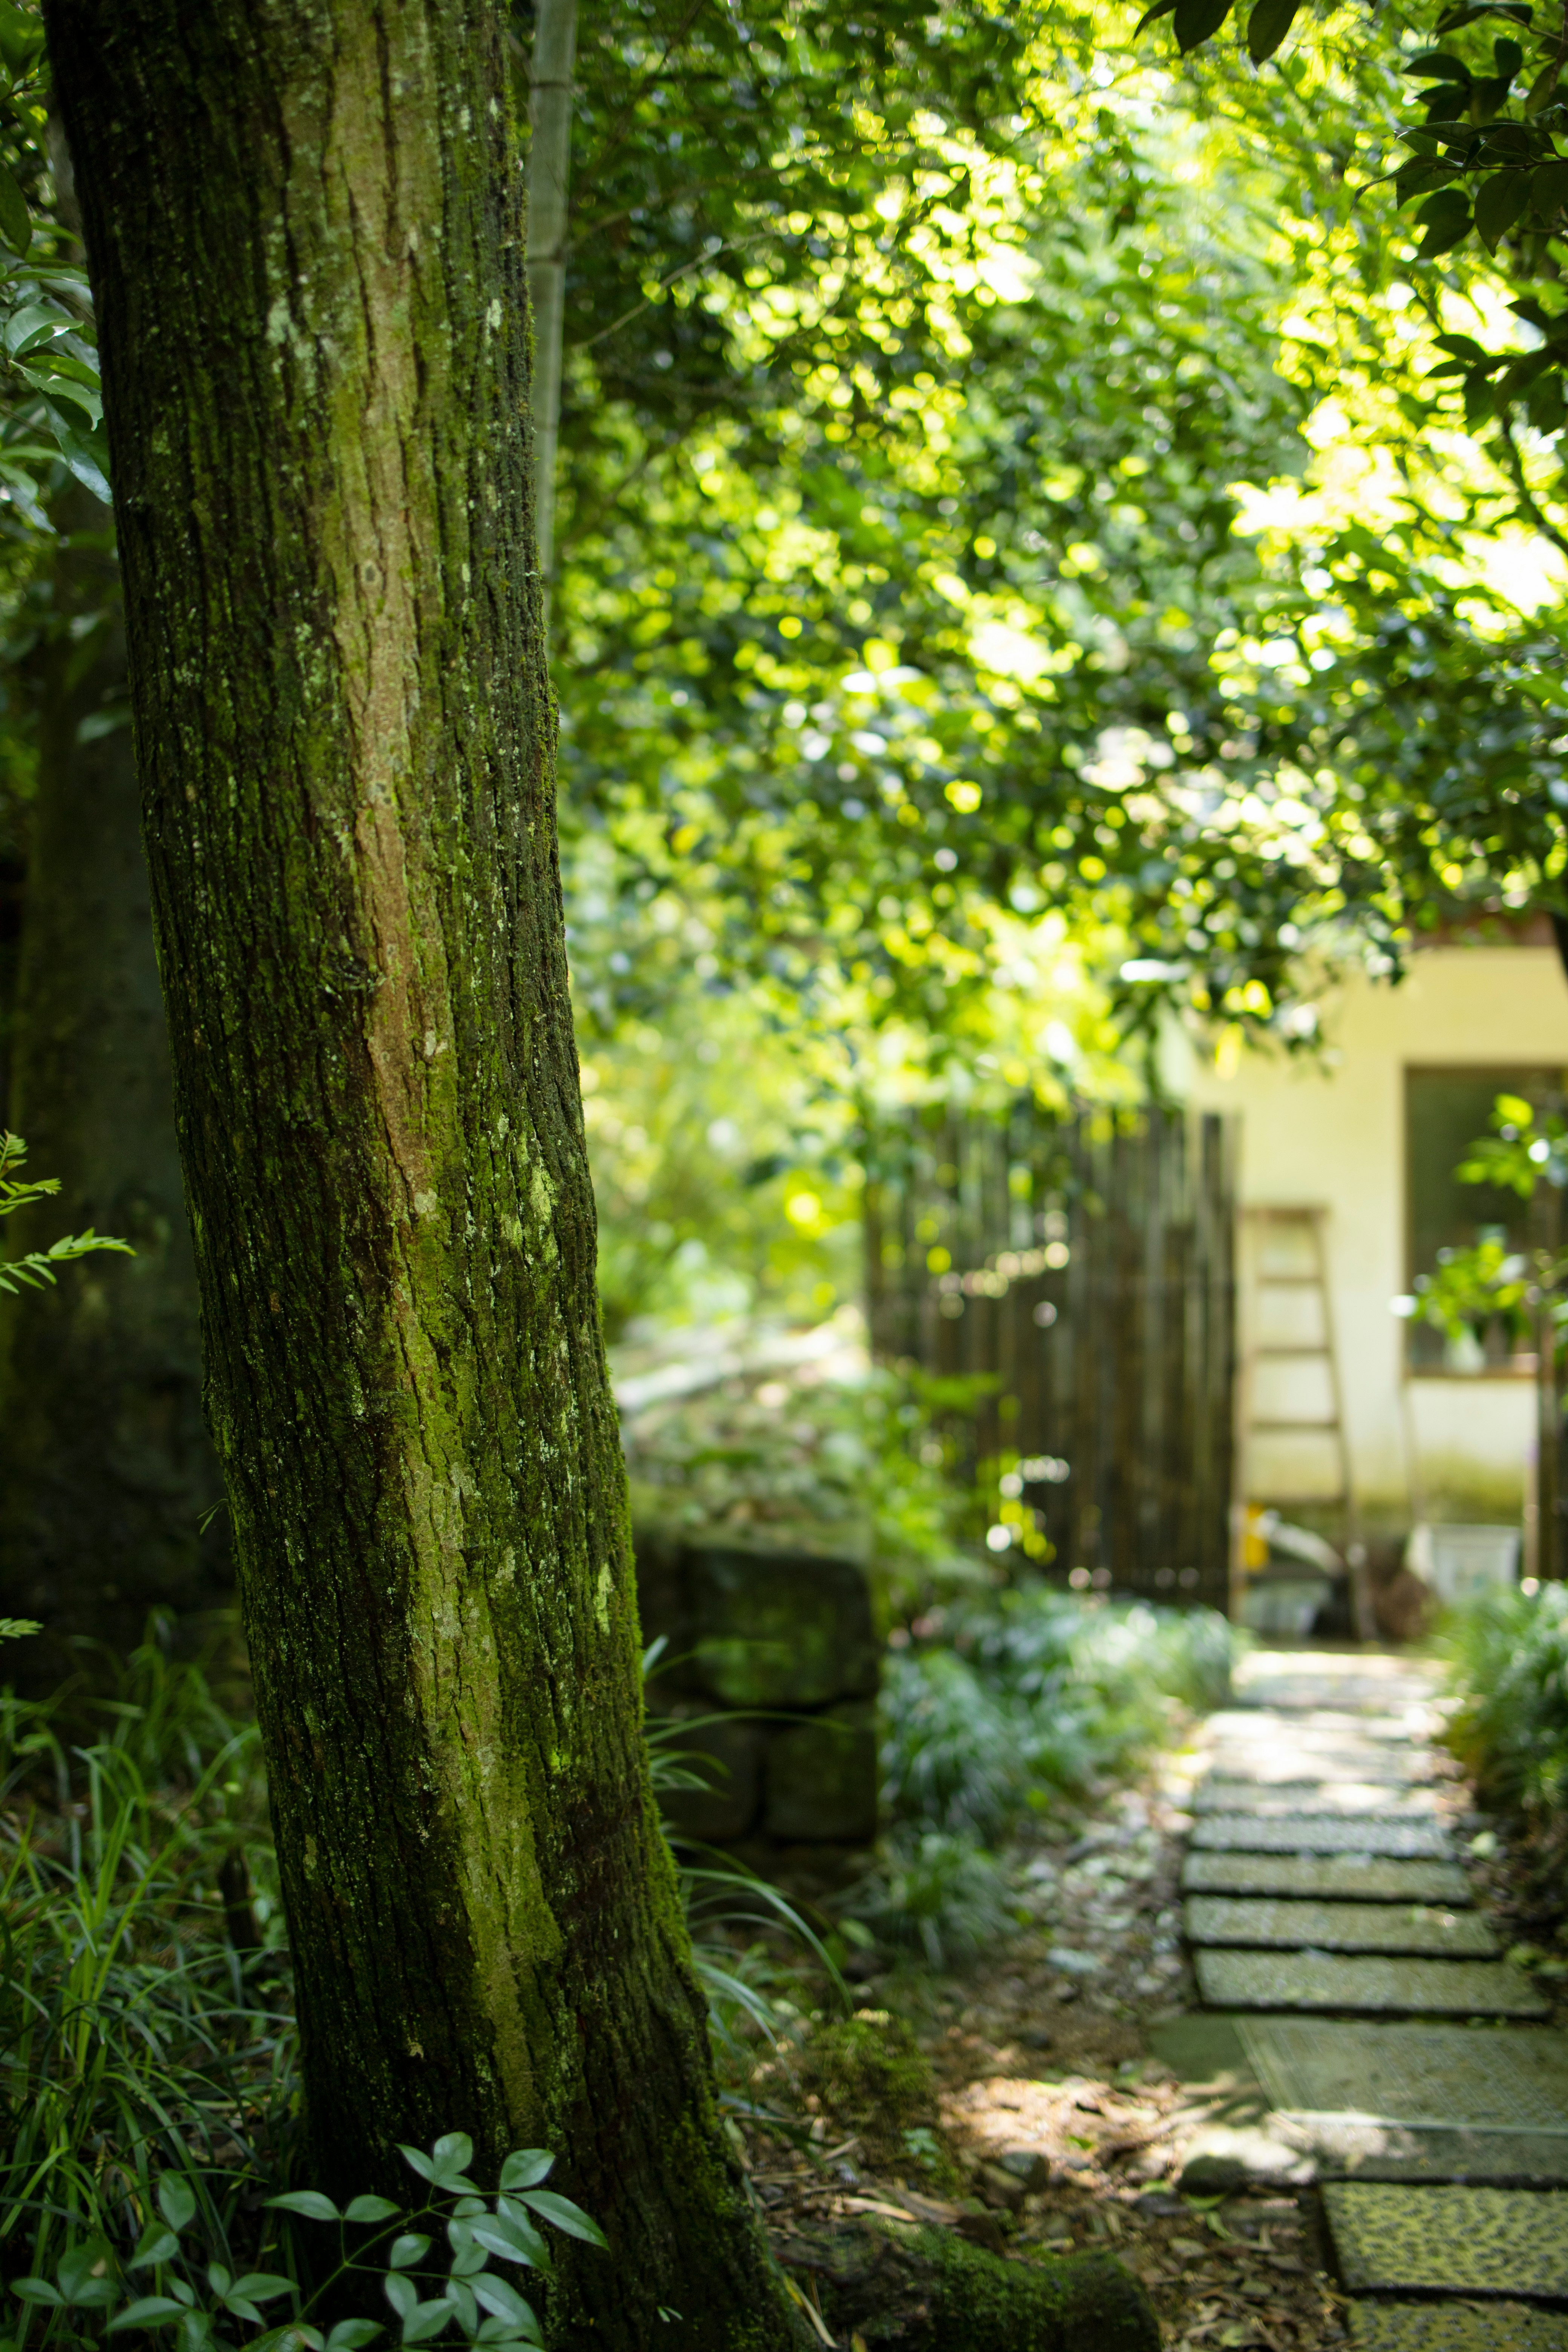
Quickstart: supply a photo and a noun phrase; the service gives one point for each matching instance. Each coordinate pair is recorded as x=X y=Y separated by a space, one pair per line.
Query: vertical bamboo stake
x=549 y=170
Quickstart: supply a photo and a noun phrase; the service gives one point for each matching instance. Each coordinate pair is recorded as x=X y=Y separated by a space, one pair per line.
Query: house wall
x=1330 y=1130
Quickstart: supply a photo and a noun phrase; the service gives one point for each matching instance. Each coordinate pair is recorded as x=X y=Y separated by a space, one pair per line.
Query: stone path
x=1362 y=2028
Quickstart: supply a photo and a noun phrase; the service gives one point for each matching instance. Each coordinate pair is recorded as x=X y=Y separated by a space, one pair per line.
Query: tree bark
x=304 y=227
x=549 y=175
x=105 y=1470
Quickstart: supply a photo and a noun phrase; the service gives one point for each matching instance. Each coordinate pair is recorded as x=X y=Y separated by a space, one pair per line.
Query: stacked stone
x=1331 y=1924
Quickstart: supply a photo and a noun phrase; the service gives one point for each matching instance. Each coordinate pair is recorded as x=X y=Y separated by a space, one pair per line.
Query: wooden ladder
x=1297 y=1269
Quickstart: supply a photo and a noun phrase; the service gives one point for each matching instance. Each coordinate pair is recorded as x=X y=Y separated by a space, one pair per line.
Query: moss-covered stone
x=779 y=1629
x=871 y=2074
x=821 y=1777
x=909 y=2290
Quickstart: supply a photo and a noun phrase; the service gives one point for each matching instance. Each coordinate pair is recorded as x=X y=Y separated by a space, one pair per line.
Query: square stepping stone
x=1355 y=1878
x=1445 y=2077
x=1319 y=1834
x=1273 y=1767
x=1220 y=1919
x=1512 y=2242
x=1456 y=2327
x=1330 y=1796
x=1337 y=1980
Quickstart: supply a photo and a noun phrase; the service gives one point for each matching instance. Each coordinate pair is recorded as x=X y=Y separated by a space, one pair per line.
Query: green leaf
x=311 y=2204
x=1197 y=21
x=513 y=2236
x=427 y=2319
x=352 y=2335
x=158 y=2246
x=86 y=454
x=36 y=2290
x=526 y=2167
x=371 y=2208
x=1549 y=189
x=1419 y=179
x=1445 y=220
x=407 y=2249
x=147 y=2310
x=1152 y=16
x=16 y=223
x=499 y=2296
x=82 y=2276
x=1437 y=64
x=262 y=2286
x=1267 y=25
x=567 y=2216
x=21 y=39
x=176 y=2202
x=447 y=2163
x=1500 y=200
x=1545 y=403
x=1539 y=92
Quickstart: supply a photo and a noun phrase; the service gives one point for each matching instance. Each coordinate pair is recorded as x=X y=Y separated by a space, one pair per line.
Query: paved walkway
x=1362 y=2028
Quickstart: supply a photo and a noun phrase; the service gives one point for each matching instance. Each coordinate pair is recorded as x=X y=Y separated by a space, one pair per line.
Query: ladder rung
x=1289 y=1282
x=1278 y=1425
x=1306 y=1502
x=1317 y=1348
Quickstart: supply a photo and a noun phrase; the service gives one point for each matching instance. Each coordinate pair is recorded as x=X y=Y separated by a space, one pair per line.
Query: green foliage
x=1508 y=1665
x=51 y=400
x=1032 y=1692
x=939 y=1894
x=1488 y=1286
x=857 y=1466
x=36 y=1267
x=1527 y=1148
x=1473 y=1289
x=141 y=2036
x=459 y=2298
x=1007 y=1705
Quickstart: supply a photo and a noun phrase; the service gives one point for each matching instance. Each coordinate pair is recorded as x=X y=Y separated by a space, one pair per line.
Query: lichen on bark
x=305 y=234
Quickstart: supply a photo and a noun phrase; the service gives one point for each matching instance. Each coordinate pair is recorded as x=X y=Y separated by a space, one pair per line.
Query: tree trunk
x=549 y=173
x=106 y=1471
x=304 y=225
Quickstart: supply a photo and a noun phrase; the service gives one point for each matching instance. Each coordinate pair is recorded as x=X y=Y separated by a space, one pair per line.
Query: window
x=1445 y=1111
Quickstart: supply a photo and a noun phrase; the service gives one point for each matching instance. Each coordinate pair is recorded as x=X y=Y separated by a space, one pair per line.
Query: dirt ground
x=1055 y=2127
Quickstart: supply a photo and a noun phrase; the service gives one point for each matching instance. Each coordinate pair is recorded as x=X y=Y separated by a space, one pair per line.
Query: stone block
x=821 y=1778
x=729 y=1754
x=778 y=1629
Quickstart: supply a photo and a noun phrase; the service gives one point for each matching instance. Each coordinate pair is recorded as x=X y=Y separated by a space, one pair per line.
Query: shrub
x=1508 y=1665
x=1025 y=1696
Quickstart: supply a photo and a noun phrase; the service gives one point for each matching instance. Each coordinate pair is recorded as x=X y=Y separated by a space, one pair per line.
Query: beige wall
x=1330 y=1132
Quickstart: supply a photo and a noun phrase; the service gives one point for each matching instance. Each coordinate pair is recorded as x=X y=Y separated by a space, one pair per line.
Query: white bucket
x=1458 y=1561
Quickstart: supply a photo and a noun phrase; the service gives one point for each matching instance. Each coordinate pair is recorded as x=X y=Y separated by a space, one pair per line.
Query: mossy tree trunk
x=305 y=231
x=106 y=1471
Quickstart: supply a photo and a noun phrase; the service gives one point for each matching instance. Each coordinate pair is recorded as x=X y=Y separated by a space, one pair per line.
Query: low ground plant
x=379 y=2255
x=1009 y=1706
x=1508 y=1668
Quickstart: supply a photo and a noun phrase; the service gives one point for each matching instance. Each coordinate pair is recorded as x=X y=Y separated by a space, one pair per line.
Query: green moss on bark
x=304 y=224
